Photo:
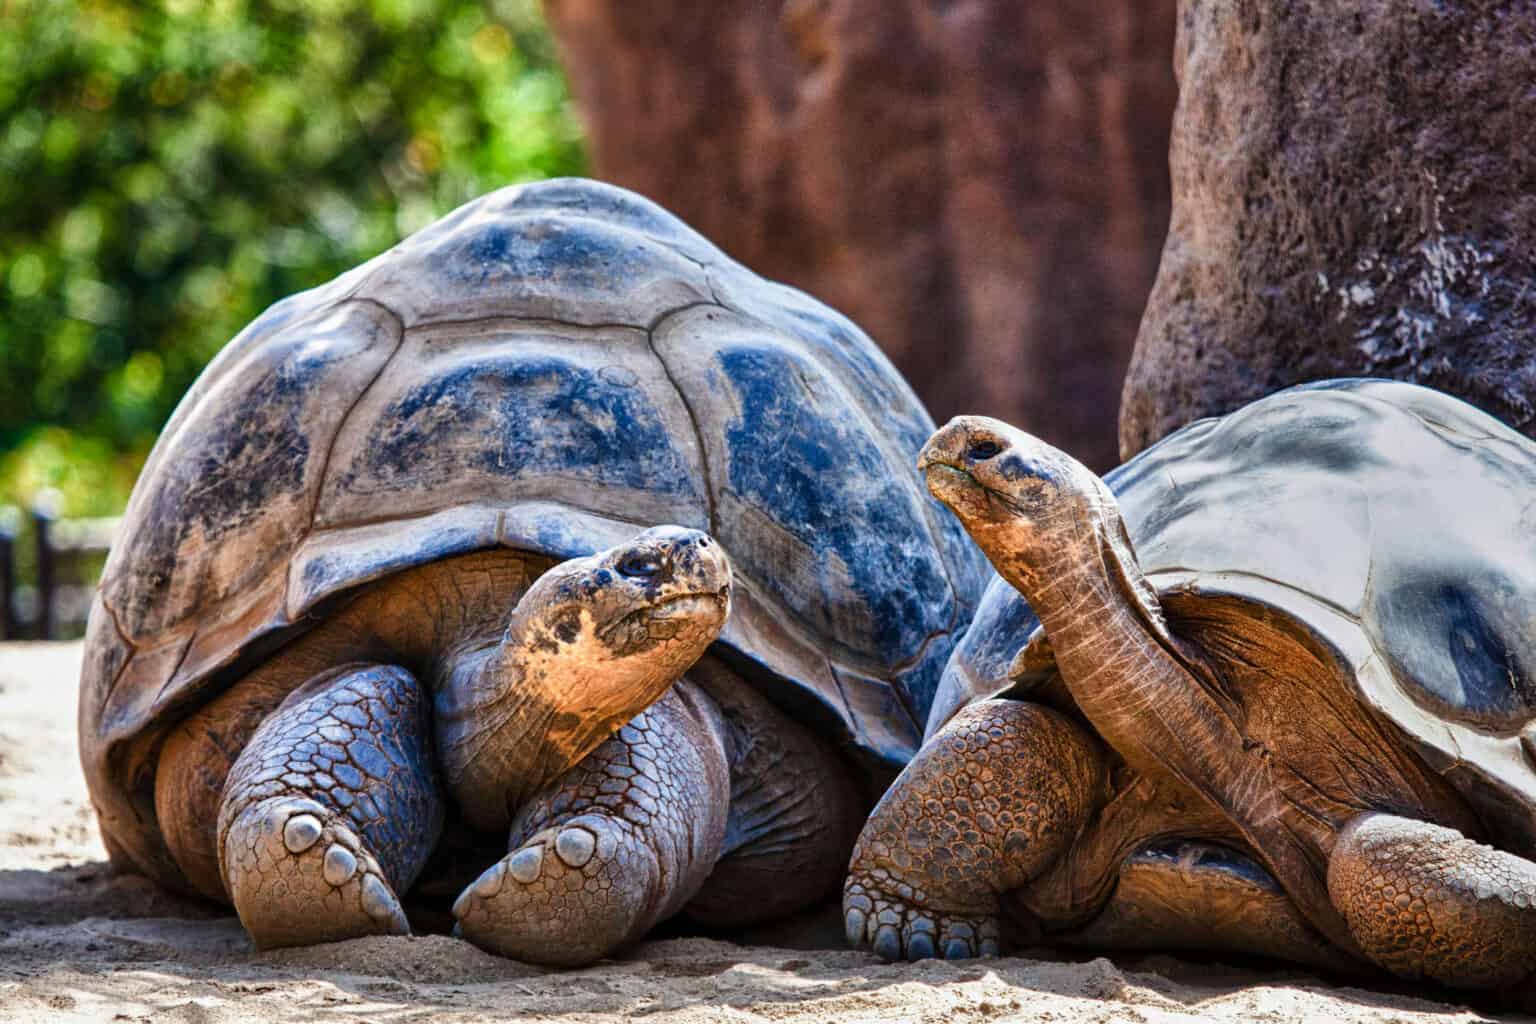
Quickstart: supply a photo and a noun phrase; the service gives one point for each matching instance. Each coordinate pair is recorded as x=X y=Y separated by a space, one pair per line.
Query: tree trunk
x=1354 y=195
x=980 y=184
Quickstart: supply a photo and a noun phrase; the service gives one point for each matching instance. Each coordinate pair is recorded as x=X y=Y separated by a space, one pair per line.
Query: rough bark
x=1354 y=194
x=981 y=185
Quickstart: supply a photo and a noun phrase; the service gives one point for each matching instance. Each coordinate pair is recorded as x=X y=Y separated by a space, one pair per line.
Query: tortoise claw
x=854 y=921
x=299 y=875
x=958 y=949
x=887 y=944
x=920 y=946
x=567 y=896
x=896 y=928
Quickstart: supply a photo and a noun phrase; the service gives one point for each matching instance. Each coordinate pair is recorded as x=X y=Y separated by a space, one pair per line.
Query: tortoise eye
x=981 y=451
x=640 y=565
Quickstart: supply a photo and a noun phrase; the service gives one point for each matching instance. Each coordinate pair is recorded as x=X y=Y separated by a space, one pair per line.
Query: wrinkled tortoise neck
x=1106 y=628
x=1153 y=700
x=512 y=716
x=487 y=723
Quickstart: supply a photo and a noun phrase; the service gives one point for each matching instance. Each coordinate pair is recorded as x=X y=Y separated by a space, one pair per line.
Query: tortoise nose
x=966 y=441
x=946 y=446
x=676 y=552
x=932 y=454
x=700 y=556
x=683 y=543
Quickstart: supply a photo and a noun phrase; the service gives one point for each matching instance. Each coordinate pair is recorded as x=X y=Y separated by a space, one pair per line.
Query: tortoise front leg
x=331 y=810
x=987 y=805
x=617 y=844
x=1424 y=901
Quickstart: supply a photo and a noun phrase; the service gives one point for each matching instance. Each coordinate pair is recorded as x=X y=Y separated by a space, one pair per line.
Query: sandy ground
x=77 y=943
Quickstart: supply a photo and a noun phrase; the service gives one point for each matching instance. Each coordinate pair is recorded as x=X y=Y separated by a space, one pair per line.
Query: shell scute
x=237 y=470
x=504 y=415
x=517 y=260
x=829 y=492
x=807 y=500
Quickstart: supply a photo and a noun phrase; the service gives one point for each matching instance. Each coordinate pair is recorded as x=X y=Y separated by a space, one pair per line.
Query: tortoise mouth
x=681 y=609
x=943 y=475
x=967 y=496
x=684 y=605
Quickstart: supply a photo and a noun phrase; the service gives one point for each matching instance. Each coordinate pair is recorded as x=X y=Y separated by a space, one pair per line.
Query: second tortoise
x=1300 y=633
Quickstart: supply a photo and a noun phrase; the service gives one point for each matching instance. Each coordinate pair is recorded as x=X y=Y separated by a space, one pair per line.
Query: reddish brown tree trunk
x=1355 y=195
x=980 y=184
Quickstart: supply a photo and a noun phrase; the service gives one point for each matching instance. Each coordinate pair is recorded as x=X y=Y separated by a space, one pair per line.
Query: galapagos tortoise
x=328 y=546
x=1308 y=693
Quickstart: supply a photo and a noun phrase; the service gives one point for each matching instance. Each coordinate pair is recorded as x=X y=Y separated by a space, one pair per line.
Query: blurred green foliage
x=167 y=170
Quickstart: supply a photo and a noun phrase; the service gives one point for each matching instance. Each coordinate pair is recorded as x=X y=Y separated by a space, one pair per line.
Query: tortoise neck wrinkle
x=1117 y=657
x=1128 y=675
x=491 y=712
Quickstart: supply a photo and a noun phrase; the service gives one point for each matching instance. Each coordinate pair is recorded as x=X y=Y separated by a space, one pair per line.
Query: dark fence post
x=10 y=525
x=47 y=575
x=60 y=586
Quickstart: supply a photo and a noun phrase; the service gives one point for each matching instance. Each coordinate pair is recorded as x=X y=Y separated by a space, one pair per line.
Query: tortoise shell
x=1390 y=523
x=552 y=368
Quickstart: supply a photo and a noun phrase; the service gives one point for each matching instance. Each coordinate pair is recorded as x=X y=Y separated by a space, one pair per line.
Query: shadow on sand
x=82 y=939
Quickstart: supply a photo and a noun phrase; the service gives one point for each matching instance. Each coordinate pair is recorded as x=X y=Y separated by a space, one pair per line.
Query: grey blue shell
x=1397 y=523
x=551 y=367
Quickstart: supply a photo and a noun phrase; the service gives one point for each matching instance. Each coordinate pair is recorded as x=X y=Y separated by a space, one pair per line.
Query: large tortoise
x=1286 y=720
x=345 y=540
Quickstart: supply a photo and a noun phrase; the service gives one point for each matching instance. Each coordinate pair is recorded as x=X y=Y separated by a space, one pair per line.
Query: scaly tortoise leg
x=617 y=844
x=1425 y=901
x=331 y=810
x=988 y=803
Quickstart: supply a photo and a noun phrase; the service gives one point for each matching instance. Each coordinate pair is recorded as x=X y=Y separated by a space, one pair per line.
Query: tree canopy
x=167 y=170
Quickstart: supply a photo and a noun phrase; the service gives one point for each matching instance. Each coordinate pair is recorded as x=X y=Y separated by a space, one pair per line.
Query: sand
x=80 y=943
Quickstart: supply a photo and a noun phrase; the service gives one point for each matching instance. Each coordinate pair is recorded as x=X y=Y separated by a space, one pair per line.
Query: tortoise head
x=649 y=606
x=1025 y=503
x=593 y=642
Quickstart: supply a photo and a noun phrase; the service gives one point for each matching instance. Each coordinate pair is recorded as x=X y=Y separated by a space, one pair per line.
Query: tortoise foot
x=331 y=805
x=988 y=803
x=1424 y=901
x=619 y=843
x=616 y=845
x=887 y=918
x=298 y=875
x=566 y=896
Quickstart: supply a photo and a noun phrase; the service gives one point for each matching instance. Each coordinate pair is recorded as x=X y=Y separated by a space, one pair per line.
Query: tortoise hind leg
x=331 y=809
x=794 y=816
x=617 y=844
x=1424 y=901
